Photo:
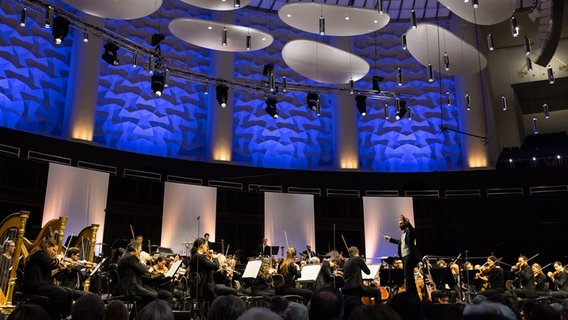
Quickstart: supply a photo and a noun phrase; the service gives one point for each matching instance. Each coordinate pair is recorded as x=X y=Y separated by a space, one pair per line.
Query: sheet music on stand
x=374 y=268
x=251 y=270
x=310 y=273
x=97 y=267
x=173 y=269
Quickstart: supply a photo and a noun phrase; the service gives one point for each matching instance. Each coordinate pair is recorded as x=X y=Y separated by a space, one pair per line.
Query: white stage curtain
x=189 y=212
x=79 y=194
x=290 y=213
x=381 y=218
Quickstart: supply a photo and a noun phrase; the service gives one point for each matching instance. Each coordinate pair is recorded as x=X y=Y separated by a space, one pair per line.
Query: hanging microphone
x=198 y=217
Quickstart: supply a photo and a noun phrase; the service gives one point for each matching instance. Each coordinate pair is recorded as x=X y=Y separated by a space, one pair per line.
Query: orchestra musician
x=38 y=278
x=6 y=263
x=262 y=285
x=493 y=276
x=524 y=277
x=326 y=277
x=202 y=264
x=291 y=271
x=408 y=251
x=560 y=279
x=263 y=249
x=539 y=279
x=308 y=254
x=73 y=277
x=354 y=279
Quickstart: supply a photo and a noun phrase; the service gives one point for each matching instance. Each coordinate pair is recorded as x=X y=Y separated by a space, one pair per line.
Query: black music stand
x=216 y=246
x=120 y=243
x=274 y=250
x=443 y=276
x=391 y=277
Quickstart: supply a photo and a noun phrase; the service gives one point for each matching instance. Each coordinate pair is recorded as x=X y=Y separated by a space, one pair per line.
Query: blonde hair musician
x=290 y=271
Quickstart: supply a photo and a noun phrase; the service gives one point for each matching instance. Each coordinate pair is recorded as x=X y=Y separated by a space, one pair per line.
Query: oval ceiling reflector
x=489 y=12
x=219 y=5
x=339 y=20
x=428 y=43
x=119 y=10
x=209 y=34
x=323 y=63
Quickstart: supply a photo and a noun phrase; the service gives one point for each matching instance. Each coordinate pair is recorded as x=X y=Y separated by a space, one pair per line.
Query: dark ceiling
x=532 y=95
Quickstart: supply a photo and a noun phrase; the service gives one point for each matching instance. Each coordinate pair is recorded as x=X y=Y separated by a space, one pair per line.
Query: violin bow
x=345 y=243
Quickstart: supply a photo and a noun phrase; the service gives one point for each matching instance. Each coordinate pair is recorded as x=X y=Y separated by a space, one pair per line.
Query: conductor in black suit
x=407 y=251
x=130 y=272
x=263 y=249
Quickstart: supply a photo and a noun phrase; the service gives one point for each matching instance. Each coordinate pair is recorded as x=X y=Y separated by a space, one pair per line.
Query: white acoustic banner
x=79 y=194
x=290 y=214
x=189 y=213
x=381 y=216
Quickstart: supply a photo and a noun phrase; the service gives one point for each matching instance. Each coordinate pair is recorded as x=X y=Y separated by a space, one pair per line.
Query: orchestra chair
x=339 y=282
x=277 y=280
x=196 y=305
x=131 y=302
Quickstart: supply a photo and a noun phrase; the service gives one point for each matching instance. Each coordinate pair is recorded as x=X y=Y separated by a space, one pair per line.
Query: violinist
x=493 y=276
x=524 y=277
x=560 y=279
x=291 y=271
x=202 y=264
x=38 y=278
x=539 y=279
x=73 y=276
x=262 y=285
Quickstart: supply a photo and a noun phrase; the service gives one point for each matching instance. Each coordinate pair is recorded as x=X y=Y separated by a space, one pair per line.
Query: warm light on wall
x=82 y=132
x=349 y=161
x=477 y=161
x=222 y=154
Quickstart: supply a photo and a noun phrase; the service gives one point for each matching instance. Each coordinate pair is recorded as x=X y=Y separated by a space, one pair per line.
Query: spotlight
x=351 y=86
x=399 y=76
x=467 y=101
x=60 y=29
x=268 y=68
x=166 y=78
x=85 y=36
x=271 y=107
x=151 y=64
x=237 y=4
x=157 y=38
x=361 y=103
x=386 y=111
x=403 y=41
x=222 y=92
x=527 y=46
x=313 y=101
x=448 y=98
x=110 y=55
x=23 y=17
x=446 y=62
x=206 y=90
x=550 y=75
x=413 y=19
x=271 y=85
x=545 y=110
x=135 y=59
x=157 y=84
x=475 y=4
x=514 y=27
x=248 y=40
x=534 y=126
x=381 y=7
x=529 y=64
x=490 y=44
x=48 y=17
x=401 y=110
x=430 y=73
x=322 y=25
x=224 y=37
x=503 y=103
x=376 y=80
x=284 y=84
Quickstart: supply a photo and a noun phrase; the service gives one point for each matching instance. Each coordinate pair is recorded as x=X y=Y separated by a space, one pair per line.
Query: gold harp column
x=345 y=120
x=220 y=124
x=82 y=90
x=8 y=308
x=91 y=256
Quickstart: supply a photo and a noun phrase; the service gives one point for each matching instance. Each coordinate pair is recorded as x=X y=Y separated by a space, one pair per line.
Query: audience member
x=296 y=311
x=116 y=310
x=278 y=305
x=374 y=312
x=326 y=304
x=226 y=308
x=28 y=311
x=543 y=311
x=488 y=310
x=88 y=307
x=258 y=313
x=407 y=306
x=156 y=310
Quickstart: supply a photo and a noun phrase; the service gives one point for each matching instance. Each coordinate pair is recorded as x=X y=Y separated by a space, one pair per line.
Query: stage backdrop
x=189 y=212
x=381 y=218
x=290 y=213
x=79 y=194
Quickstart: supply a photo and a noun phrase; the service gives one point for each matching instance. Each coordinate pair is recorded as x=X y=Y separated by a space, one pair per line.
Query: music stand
x=274 y=250
x=173 y=269
x=443 y=276
x=97 y=267
x=374 y=268
x=391 y=277
x=252 y=269
x=310 y=273
x=215 y=246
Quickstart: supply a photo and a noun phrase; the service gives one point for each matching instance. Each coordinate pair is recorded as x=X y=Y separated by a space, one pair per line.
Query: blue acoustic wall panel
x=33 y=74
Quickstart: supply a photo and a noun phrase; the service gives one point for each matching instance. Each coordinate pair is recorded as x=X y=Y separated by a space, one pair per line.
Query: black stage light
x=361 y=103
x=222 y=93
x=60 y=29
x=313 y=101
x=157 y=38
x=157 y=84
x=402 y=110
x=268 y=68
x=376 y=81
x=110 y=55
x=271 y=107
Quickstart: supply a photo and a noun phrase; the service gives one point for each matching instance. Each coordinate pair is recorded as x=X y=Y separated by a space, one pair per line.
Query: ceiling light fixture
x=413 y=22
x=166 y=78
x=351 y=86
x=361 y=103
x=376 y=80
x=48 y=17
x=430 y=73
x=527 y=46
x=85 y=36
x=313 y=101
x=446 y=62
x=157 y=84
x=380 y=6
x=224 y=37
x=545 y=111
x=399 y=76
x=135 y=59
x=322 y=25
x=403 y=40
x=529 y=64
x=475 y=4
x=401 y=109
x=503 y=103
x=222 y=94
x=490 y=44
x=467 y=101
x=271 y=107
x=550 y=74
x=23 y=17
x=448 y=98
x=110 y=55
x=534 y=125
x=60 y=29
x=237 y=4
x=284 y=84
x=514 y=27
x=248 y=40
x=151 y=64
x=386 y=111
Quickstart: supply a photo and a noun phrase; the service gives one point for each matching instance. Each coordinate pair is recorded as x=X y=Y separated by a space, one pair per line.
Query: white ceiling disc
x=428 y=43
x=119 y=10
x=219 y=5
x=209 y=34
x=339 y=20
x=488 y=13
x=323 y=63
